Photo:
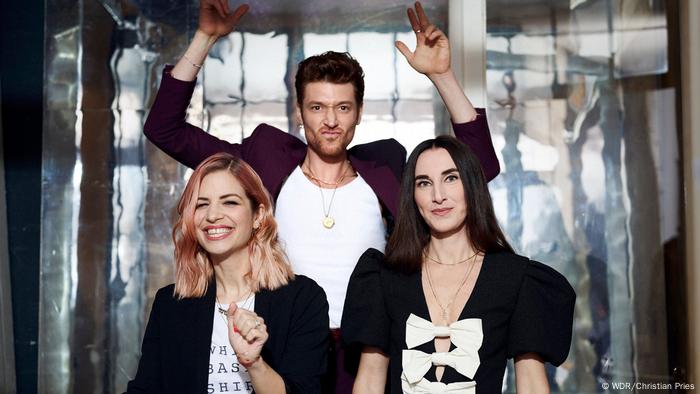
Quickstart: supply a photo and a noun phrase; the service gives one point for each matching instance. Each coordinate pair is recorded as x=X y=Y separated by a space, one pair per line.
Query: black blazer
x=176 y=345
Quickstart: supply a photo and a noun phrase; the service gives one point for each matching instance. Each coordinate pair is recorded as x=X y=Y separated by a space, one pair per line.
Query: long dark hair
x=411 y=234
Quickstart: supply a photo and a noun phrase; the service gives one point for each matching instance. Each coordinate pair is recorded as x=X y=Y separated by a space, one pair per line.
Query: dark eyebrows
x=312 y=103
x=447 y=171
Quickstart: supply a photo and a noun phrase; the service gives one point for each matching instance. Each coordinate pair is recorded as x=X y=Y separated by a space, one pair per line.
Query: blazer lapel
x=262 y=304
x=294 y=155
x=202 y=324
x=381 y=180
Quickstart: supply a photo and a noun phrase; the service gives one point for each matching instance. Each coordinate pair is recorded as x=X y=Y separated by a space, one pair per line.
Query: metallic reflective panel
x=109 y=195
x=589 y=185
x=584 y=129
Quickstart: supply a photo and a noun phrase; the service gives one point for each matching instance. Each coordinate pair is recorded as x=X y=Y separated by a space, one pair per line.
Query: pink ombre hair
x=194 y=270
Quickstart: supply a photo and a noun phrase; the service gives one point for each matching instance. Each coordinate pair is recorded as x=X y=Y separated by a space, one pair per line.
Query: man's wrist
x=438 y=78
x=208 y=39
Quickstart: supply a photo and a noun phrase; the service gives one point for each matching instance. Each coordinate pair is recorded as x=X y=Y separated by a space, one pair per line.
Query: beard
x=329 y=147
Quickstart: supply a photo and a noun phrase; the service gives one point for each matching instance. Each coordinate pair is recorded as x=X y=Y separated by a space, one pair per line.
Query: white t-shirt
x=226 y=375
x=328 y=256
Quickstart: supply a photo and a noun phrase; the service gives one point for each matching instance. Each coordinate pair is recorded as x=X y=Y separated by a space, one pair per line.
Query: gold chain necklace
x=309 y=173
x=445 y=309
x=457 y=263
x=328 y=221
x=319 y=180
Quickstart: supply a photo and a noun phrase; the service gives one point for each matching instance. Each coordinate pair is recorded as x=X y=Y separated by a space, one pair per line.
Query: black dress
x=523 y=306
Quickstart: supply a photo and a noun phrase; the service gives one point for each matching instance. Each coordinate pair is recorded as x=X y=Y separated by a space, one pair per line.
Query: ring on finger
x=257 y=323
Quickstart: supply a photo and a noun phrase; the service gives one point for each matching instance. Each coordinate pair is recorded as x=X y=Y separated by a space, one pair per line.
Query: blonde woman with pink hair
x=236 y=319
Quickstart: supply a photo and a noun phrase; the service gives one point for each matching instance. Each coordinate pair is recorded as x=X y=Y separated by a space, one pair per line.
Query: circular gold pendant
x=328 y=222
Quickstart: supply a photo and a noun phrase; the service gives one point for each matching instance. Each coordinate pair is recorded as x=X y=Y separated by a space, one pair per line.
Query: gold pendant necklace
x=328 y=222
x=446 y=309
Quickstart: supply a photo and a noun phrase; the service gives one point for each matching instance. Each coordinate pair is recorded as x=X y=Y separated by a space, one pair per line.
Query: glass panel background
x=584 y=128
x=109 y=195
x=588 y=145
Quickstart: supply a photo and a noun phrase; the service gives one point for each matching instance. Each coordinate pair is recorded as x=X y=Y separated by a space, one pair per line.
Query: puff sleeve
x=543 y=317
x=365 y=321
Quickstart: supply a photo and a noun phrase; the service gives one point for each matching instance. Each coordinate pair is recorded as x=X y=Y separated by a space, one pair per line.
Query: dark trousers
x=337 y=380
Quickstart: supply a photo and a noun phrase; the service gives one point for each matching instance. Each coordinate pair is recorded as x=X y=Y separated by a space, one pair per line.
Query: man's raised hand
x=432 y=54
x=216 y=18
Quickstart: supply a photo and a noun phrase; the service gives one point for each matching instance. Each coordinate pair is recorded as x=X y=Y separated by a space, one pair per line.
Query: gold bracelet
x=191 y=62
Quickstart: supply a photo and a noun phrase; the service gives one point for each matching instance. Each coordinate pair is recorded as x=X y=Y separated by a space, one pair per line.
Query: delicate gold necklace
x=445 y=309
x=328 y=221
x=309 y=173
x=457 y=263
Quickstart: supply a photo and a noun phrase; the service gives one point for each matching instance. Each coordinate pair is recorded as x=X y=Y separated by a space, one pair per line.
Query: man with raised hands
x=332 y=203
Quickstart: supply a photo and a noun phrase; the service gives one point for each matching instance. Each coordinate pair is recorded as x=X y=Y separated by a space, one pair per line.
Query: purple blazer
x=274 y=154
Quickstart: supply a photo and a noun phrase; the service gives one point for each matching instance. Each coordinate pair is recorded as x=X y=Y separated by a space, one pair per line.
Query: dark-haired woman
x=451 y=302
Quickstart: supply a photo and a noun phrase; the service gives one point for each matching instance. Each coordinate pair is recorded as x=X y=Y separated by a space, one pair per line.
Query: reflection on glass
x=109 y=195
x=577 y=110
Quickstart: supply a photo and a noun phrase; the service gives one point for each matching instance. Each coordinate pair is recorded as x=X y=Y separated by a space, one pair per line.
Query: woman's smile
x=215 y=233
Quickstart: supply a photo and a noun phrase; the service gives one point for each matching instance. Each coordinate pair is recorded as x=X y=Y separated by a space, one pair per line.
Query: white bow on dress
x=465 y=333
x=416 y=363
